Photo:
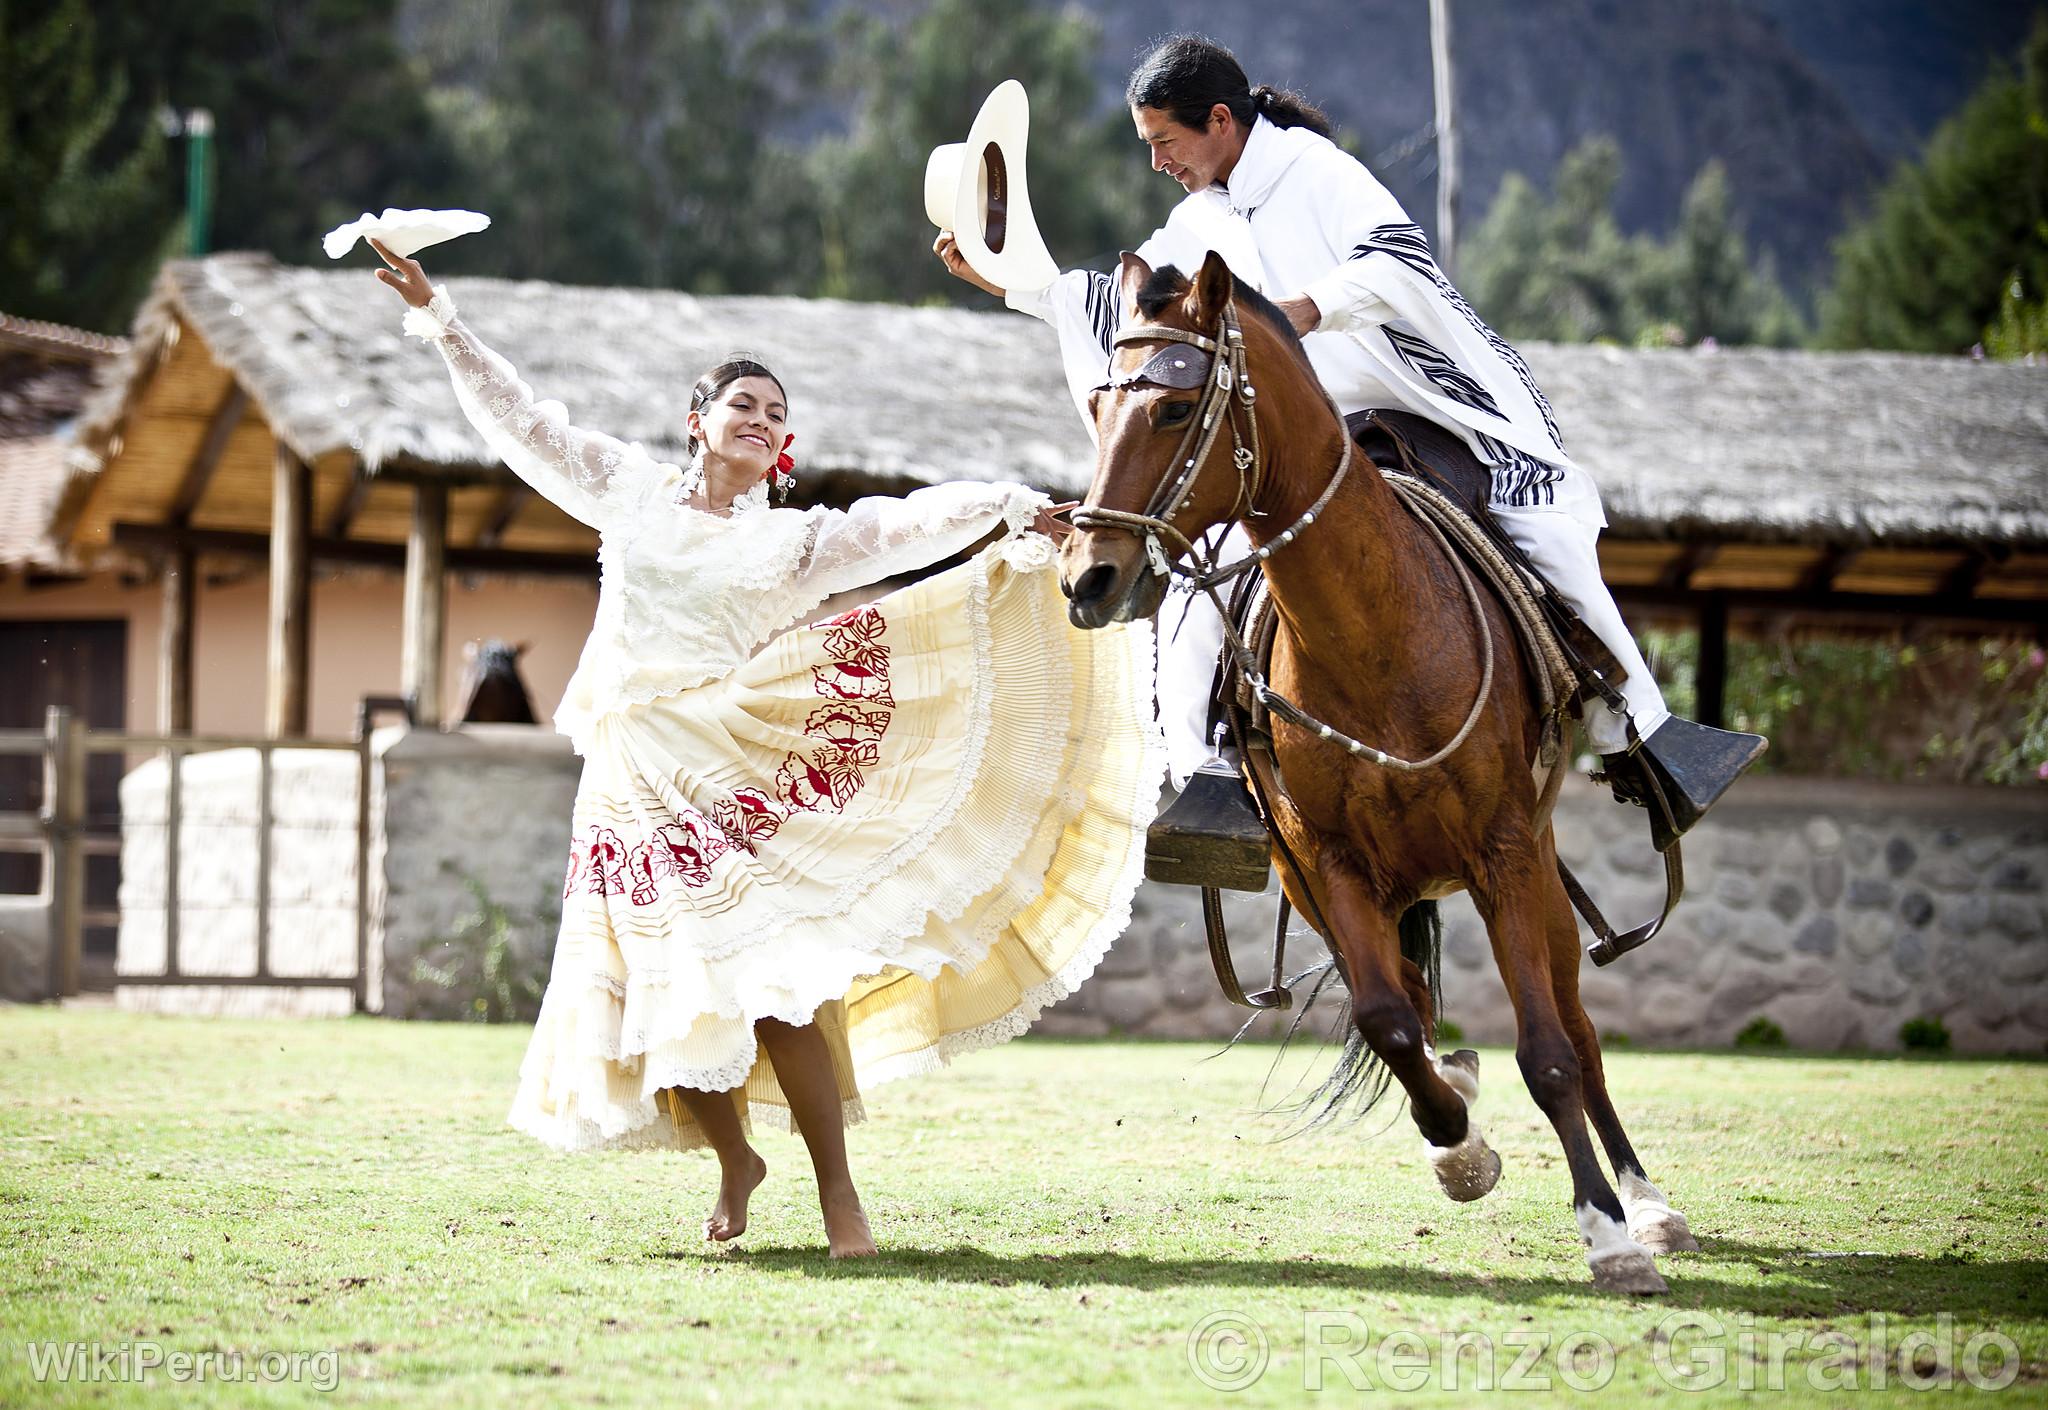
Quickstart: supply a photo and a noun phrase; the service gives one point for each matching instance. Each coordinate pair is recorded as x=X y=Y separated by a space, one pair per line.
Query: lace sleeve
x=880 y=537
x=590 y=476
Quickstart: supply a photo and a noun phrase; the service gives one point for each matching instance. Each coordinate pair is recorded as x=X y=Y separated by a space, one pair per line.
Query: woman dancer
x=842 y=857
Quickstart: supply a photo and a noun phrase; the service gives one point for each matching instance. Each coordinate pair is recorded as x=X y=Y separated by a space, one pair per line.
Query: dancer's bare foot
x=729 y=1216
x=846 y=1224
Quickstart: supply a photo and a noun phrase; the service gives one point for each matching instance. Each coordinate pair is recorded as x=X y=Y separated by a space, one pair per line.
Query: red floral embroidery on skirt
x=846 y=734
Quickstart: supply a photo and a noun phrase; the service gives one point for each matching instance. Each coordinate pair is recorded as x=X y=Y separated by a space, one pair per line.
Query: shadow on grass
x=1797 y=1282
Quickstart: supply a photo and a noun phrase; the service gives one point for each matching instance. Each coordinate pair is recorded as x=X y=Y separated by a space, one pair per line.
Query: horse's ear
x=1131 y=274
x=1212 y=289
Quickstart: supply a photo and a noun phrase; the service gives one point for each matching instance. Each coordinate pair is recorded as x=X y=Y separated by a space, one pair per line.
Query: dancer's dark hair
x=715 y=381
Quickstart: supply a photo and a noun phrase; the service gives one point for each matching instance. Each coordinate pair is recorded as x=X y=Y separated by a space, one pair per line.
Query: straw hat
x=976 y=190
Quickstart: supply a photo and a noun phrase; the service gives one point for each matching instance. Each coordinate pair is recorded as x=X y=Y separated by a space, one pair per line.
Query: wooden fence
x=61 y=830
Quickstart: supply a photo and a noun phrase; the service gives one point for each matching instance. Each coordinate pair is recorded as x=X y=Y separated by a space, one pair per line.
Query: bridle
x=1218 y=364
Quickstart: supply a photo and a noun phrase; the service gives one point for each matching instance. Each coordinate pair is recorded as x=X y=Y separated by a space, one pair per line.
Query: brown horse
x=1377 y=639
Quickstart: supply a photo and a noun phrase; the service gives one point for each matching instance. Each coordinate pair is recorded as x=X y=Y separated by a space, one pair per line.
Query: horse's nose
x=1094 y=584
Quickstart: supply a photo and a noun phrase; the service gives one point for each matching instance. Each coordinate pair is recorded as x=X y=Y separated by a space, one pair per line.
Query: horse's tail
x=1360 y=1078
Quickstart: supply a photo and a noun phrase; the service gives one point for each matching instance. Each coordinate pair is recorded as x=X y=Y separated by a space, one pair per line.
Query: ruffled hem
x=610 y=1044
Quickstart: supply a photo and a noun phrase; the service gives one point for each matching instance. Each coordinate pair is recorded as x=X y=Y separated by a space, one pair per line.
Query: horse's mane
x=1166 y=284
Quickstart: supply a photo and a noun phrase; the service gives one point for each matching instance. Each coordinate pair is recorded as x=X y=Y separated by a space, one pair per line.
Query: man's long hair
x=1186 y=76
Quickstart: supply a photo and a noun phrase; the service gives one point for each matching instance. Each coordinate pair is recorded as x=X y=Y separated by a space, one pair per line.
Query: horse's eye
x=1175 y=413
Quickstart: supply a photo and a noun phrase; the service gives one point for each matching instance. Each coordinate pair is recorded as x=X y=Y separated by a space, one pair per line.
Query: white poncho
x=1300 y=216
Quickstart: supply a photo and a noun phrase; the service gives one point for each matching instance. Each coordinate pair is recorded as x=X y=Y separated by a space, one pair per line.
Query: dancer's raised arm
x=884 y=536
x=590 y=476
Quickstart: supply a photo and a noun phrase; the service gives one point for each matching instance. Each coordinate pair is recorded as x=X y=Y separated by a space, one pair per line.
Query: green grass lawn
x=1058 y=1219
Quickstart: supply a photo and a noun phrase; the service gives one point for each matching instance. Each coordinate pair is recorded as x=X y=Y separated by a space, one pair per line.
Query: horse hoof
x=1652 y=1222
x=1665 y=1232
x=1468 y=1170
x=1630 y=1272
x=1460 y=1071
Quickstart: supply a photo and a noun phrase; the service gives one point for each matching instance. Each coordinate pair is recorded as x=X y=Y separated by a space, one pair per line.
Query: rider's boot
x=1211 y=835
x=1688 y=765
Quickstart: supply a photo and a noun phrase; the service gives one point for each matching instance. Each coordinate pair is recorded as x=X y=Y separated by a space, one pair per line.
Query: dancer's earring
x=693 y=474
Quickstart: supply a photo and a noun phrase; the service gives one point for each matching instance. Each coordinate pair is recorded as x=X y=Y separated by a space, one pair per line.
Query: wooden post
x=1446 y=138
x=64 y=821
x=174 y=641
x=1713 y=668
x=426 y=568
x=291 y=595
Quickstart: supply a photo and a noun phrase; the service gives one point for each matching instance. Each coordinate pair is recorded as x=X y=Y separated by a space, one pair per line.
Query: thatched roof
x=1730 y=446
x=879 y=390
x=46 y=374
x=1758 y=445
x=31 y=480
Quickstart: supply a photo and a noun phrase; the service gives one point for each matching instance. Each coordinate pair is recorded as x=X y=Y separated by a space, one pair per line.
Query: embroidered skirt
x=916 y=826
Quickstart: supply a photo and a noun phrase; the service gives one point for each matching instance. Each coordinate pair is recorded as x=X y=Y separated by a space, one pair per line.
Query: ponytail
x=1283 y=107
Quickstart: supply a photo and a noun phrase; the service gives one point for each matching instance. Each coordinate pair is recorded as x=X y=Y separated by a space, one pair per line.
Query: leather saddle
x=1216 y=834
x=1213 y=835
x=1407 y=444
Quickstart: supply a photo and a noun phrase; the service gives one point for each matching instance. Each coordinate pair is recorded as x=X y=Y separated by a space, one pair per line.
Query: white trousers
x=1561 y=546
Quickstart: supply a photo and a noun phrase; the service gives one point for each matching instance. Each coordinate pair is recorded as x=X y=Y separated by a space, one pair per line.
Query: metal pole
x=198 y=181
x=1446 y=138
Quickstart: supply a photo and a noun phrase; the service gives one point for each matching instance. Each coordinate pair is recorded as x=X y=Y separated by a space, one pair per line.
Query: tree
x=1702 y=280
x=86 y=219
x=1559 y=269
x=637 y=144
x=2021 y=328
x=1925 y=270
x=318 y=115
x=1090 y=190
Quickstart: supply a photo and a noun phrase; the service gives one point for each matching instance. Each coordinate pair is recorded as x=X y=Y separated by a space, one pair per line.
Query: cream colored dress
x=915 y=825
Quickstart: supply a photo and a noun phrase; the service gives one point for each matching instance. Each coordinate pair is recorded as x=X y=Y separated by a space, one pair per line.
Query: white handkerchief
x=403 y=232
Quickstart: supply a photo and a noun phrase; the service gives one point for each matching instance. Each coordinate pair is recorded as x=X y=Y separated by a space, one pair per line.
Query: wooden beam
x=351 y=504
x=291 y=595
x=1690 y=560
x=507 y=509
x=1964 y=578
x=199 y=471
x=2003 y=611
x=426 y=583
x=1712 y=677
x=179 y=577
x=1821 y=576
x=236 y=544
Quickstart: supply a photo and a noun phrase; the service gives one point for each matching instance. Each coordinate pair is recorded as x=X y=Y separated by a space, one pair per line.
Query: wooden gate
x=66 y=747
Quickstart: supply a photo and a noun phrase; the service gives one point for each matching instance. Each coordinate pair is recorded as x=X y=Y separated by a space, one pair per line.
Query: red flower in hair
x=784 y=464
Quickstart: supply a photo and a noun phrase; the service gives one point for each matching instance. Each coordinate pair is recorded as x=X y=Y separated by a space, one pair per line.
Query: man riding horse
x=1298 y=219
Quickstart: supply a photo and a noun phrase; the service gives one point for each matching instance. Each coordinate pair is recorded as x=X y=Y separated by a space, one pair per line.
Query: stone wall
x=24 y=948
x=474 y=840
x=1837 y=911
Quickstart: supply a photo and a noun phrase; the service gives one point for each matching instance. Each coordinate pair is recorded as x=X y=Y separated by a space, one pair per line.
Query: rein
x=1226 y=354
